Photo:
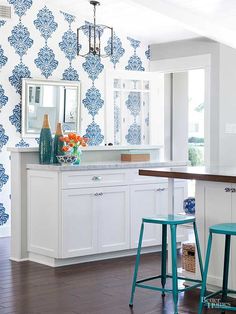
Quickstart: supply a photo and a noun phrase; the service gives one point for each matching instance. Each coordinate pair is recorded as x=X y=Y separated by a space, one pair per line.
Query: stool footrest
x=140 y=284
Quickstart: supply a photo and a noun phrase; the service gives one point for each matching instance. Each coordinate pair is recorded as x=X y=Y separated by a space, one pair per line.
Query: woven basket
x=188 y=258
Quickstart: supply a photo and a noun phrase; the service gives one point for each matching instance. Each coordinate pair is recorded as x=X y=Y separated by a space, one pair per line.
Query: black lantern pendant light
x=94 y=33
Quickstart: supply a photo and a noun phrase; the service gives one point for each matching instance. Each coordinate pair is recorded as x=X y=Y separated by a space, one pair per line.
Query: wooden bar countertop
x=217 y=174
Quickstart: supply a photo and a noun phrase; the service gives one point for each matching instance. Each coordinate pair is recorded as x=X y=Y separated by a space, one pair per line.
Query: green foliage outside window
x=195 y=155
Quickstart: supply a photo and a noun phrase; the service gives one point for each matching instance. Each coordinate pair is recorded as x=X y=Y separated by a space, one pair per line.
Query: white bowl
x=67 y=160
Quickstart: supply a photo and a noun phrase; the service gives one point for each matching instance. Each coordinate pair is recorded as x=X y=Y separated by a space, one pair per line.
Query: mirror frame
x=27 y=82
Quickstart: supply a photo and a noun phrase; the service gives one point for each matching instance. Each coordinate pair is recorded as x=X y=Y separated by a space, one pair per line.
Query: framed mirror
x=59 y=99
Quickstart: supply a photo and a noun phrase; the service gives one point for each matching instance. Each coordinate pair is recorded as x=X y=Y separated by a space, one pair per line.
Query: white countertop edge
x=91 y=148
x=105 y=165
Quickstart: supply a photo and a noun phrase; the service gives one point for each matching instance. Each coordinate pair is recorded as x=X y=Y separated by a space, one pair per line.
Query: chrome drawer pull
x=160 y=190
x=227 y=190
x=96 y=178
x=98 y=194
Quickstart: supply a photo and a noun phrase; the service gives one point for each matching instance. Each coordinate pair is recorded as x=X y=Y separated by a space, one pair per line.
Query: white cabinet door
x=217 y=208
x=79 y=222
x=147 y=200
x=112 y=205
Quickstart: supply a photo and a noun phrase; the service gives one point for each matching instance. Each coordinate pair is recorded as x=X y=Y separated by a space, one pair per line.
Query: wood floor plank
x=101 y=287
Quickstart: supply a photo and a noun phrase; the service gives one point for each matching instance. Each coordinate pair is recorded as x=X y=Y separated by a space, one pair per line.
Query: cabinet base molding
x=57 y=262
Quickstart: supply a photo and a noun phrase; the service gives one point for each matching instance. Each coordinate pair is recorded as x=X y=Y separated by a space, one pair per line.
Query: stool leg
x=136 y=265
x=163 y=257
x=226 y=267
x=174 y=268
x=198 y=248
x=204 y=279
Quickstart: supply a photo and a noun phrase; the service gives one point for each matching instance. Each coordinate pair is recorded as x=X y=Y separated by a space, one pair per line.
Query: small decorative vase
x=77 y=152
x=57 y=144
x=189 y=205
x=45 y=142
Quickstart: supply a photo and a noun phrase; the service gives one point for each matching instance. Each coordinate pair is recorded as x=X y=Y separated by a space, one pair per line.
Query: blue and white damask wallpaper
x=40 y=42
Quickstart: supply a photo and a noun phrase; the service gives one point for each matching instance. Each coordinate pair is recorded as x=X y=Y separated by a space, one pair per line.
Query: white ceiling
x=215 y=19
x=130 y=18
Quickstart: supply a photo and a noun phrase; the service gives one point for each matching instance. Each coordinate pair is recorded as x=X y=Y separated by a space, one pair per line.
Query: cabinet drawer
x=80 y=179
x=135 y=178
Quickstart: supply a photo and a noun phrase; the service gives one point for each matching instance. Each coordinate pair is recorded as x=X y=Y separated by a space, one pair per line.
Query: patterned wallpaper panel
x=40 y=42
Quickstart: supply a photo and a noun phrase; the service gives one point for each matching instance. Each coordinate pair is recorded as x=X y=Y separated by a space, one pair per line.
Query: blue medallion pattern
x=22 y=143
x=3 y=97
x=45 y=23
x=93 y=66
x=15 y=118
x=134 y=64
x=3 y=215
x=68 y=17
x=133 y=103
x=3 y=177
x=93 y=101
x=3 y=137
x=21 y=6
x=93 y=133
x=70 y=74
x=134 y=134
x=19 y=72
x=69 y=44
x=148 y=53
x=118 y=50
x=3 y=58
x=46 y=61
x=20 y=39
x=2 y=22
x=134 y=43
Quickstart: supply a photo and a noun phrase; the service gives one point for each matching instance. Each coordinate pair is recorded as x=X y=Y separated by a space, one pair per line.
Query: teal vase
x=45 y=142
x=57 y=144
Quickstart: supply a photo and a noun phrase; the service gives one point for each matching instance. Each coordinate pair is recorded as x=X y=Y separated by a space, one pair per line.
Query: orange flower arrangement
x=72 y=142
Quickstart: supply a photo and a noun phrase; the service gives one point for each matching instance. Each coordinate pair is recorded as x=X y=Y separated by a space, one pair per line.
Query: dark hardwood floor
x=98 y=287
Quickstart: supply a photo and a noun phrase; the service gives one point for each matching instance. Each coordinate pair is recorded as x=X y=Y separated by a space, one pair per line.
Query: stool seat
x=227 y=228
x=170 y=219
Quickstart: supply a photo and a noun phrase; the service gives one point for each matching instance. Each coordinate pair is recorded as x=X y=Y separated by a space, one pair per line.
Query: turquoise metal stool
x=173 y=221
x=228 y=230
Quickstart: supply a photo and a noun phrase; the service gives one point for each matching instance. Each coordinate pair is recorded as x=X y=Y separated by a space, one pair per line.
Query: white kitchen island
x=215 y=203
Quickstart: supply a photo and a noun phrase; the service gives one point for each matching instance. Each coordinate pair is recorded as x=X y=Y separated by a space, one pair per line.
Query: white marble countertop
x=105 y=165
x=92 y=148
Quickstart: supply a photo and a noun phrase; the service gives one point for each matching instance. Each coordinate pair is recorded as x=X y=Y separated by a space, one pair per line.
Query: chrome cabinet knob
x=96 y=178
x=233 y=190
x=160 y=189
x=228 y=189
x=98 y=194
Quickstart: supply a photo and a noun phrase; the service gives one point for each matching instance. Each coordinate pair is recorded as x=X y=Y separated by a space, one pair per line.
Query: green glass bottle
x=57 y=144
x=45 y=142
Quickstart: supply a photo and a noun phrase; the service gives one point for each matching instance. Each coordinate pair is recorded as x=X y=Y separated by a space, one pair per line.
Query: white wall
x=227 y=92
